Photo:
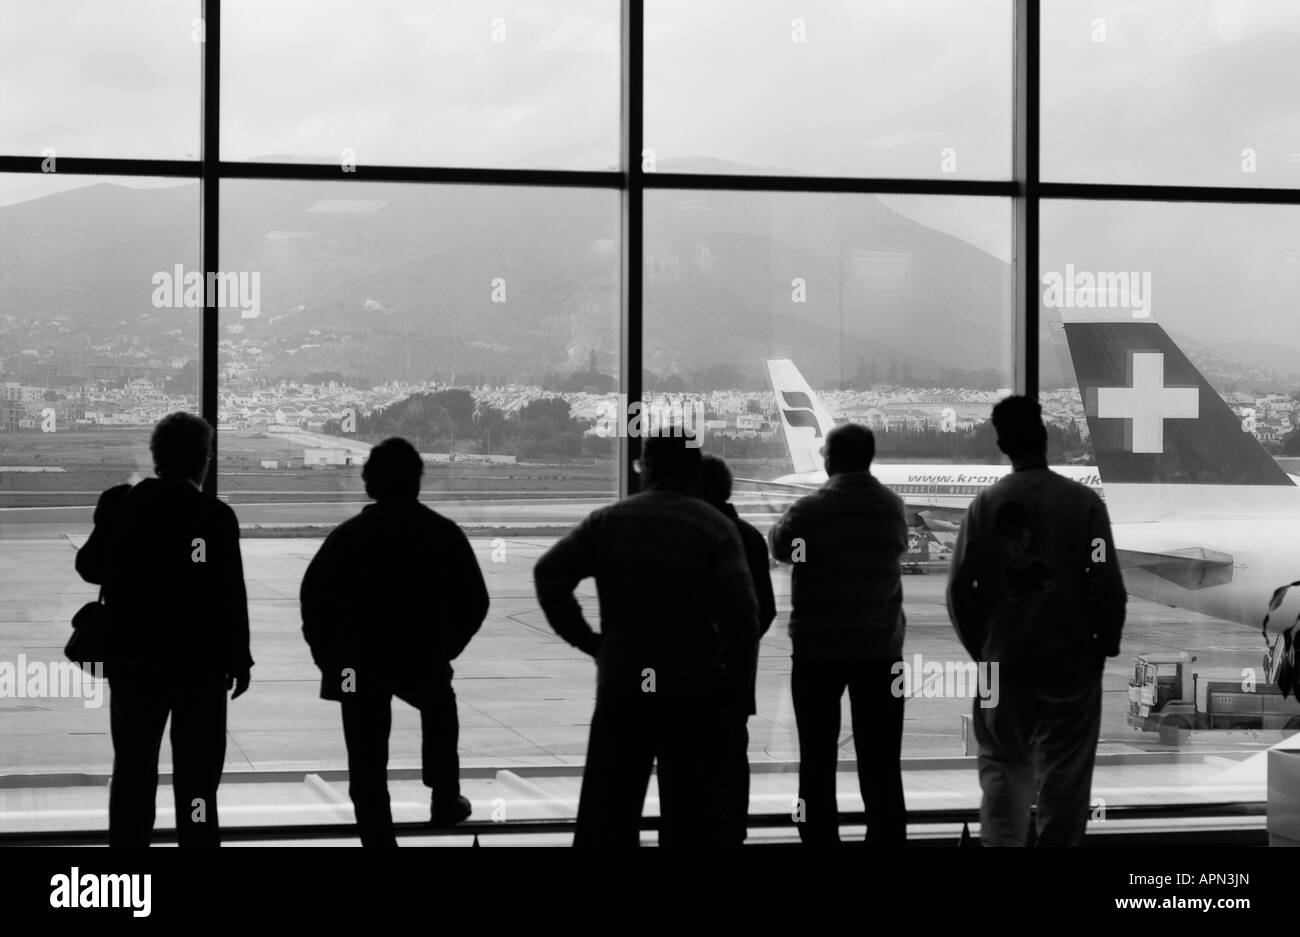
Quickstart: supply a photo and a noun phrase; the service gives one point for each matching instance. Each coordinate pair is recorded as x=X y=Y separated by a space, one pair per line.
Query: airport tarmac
x=525 y=695
x=47 y=523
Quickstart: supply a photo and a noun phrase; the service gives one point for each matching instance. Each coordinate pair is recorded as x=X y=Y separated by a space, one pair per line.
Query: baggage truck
x=1169 y=695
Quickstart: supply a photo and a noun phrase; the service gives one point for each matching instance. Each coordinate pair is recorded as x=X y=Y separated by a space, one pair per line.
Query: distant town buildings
x=319 y=458
x=141 y=399
x=133 y=373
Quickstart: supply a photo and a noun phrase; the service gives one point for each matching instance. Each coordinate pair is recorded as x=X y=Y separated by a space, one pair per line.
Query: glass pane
x=515 y=84
x=1170 y=92
x=1194 y=306
x=86 y=78
x=906 y=88
x=480 y=323
x=92 y=357
x=891 y=312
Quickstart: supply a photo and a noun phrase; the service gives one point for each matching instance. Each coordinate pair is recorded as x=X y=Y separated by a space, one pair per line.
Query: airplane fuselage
x=929 y=485
x=1258 y=527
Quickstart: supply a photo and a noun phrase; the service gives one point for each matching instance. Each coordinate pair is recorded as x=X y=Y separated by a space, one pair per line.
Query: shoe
x=458 y=810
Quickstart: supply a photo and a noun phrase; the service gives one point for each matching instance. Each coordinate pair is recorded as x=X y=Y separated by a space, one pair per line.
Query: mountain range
x=400 y=281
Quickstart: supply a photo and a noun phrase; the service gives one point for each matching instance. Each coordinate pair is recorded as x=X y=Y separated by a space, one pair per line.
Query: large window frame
x=1025 y=190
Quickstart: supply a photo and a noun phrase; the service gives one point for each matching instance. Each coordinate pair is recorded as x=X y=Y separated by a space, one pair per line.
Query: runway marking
x=331 y=794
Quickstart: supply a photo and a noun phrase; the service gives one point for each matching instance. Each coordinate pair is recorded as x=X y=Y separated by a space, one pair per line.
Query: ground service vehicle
x=1168 y=694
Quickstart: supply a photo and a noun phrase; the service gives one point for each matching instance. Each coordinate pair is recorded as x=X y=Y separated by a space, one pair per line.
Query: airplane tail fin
x=1159 y=429
x=804 y=420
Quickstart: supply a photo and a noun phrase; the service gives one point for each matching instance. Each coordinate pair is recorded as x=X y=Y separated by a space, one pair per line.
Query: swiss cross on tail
x=1148 y=402
x=1152 y=415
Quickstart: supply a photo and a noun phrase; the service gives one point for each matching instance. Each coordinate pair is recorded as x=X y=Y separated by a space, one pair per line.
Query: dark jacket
x=760 y=571
x=168 y=558
x=392 y=596
x=1035 y=579
x=676 y=601
x=845 y=541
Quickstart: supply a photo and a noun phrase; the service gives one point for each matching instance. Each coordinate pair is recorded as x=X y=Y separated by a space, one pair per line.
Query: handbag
x=1280 y=652
x=88 y=647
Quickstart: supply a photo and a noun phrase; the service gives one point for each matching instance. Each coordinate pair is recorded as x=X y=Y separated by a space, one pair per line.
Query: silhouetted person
x=678 y=635
x=390 y=600
x=715 y=488
x=1035 y=587
x=167 y=556
x=845 y=541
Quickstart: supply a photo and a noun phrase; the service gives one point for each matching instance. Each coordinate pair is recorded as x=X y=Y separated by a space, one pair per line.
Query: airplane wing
x=1190 y=567
x=781 y=487
x=937 y=518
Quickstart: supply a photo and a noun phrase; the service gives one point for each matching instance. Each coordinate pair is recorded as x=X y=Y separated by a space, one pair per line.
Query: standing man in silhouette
x=845 y=541
x=678 y=635
x=167 y=556
x=715 y=489
x=390 y=600
x=1035 y=588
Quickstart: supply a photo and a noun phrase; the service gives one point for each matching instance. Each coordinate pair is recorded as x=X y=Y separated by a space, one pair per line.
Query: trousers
x=367 y=722
x=817 y=687
x=141 y=700
x=684 y=740
x=1038 y=744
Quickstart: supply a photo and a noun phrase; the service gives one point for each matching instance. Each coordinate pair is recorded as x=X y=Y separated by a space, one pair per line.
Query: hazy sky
x=1183 y=91
x=1135 y=90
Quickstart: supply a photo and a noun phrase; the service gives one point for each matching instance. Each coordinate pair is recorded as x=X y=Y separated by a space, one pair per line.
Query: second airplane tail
x=804 y=420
